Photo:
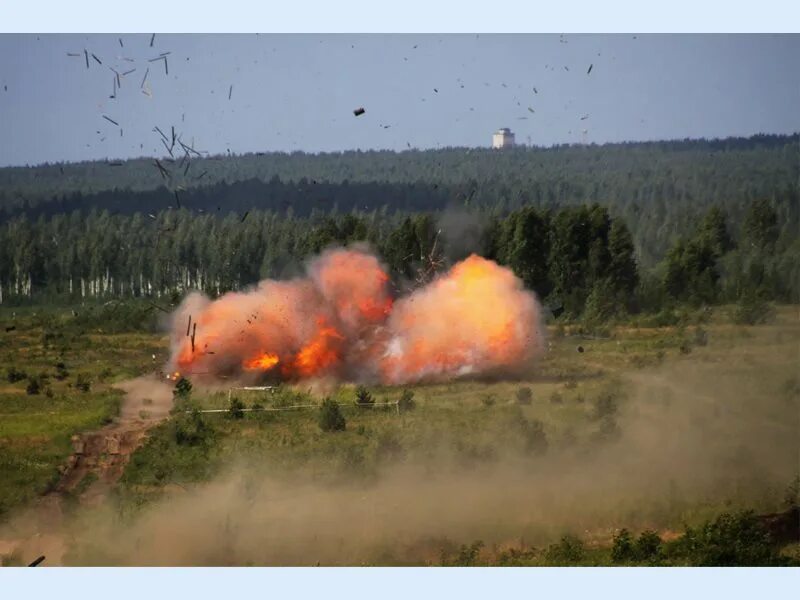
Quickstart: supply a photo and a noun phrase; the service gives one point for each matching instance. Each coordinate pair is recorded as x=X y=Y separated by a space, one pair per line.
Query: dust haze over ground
x=699 y=432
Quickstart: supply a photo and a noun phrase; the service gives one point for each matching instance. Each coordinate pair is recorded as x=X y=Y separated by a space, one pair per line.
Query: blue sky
x=297 y=92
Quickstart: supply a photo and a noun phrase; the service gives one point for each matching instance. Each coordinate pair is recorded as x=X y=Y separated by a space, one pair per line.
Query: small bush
x=488 y=400
x=524 y=395
x=192 y=430
x=83 y=383
x=731 y=540
x=330 y=417
x=622 y=548
x=406 y=402
x=467 y=556
x=751 y=310
x=34 y=387
x=183 y=389
x=363 y=398
x=236 y=410
x=61 y=371
x=648 y=547
x=700 y=337
x=13 y=375
x=555 y=398
x=569 y=550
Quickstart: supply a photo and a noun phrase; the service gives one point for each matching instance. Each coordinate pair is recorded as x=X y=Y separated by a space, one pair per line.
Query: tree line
x=580 y=260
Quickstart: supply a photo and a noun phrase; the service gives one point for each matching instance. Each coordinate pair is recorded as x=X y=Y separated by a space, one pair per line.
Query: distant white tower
x=502 y=138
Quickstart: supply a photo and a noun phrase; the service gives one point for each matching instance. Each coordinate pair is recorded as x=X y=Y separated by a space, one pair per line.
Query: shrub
x=751 y=310
x=192 y=429
x=61 y=371
x=83 y=383
x=648 y=547
x=236 y=410
x=406 y=401
x=34 y=387
x=555 y=398
x=568 y=551
x=730 y=540
x=488 y=400
x=183 y=388
x=535 y=437
x=467 y=556
x=330 y=417
x=700 y=337
x=524 y=395
x=13 y=375
x=363 y=398
x=622 y=549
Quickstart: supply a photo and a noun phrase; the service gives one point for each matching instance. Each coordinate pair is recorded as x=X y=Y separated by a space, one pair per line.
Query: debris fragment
x=359 y=111
x=590 y=69
x=245 y=216
x=37 y=562
x=120 y=43
x=531 y=110
x=86 y=56
x=230 y=91
x=111 y=120
x=153 y=37
x=189 y=326
x=584 y=117
x=128 y=72
x=99 y=62
x=146 y=73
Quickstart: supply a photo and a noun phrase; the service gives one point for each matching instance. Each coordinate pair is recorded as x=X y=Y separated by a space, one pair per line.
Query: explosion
x=340 y=320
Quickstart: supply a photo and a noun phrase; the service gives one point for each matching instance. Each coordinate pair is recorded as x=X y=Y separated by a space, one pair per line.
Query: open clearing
x=648 y=428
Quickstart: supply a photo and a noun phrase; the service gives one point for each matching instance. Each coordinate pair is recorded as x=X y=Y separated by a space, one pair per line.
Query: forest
x=595 y=231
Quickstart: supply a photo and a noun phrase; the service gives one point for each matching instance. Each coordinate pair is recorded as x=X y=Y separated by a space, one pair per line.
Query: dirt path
x=101 y=457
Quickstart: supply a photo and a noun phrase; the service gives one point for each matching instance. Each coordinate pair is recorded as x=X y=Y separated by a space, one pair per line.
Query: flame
x=341 y=320
x=263 y=362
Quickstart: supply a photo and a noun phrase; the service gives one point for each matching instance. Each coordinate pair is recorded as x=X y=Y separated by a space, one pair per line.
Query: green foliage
x=752 y=310
x=83 y=383
x=192 y=430
x=13 y=375
x=61 y=371
x=406 y=402
x=330 y=417
x=648 y=547
x=731 y=540
x=761 y=225
x=236 y=409
x=524 y=395
x=34 y=387
x=622 y=549
x=569 y=550
x=182 y=389
x=363 y=397
x=467 y=556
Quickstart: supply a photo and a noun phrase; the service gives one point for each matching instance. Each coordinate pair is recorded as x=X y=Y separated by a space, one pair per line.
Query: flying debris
x=590 y=69
x=120 y=43
x=111 y=120
x=128 y=72
x=152 y=38
x=37 y=562
x=535 y=91
x=99 y=62
x=146 y=73
x=230 y=91
x=86 y=56
x=531 y=110
x=584 y=117
x=245 y=216
x=359 y=111
x=73 y=53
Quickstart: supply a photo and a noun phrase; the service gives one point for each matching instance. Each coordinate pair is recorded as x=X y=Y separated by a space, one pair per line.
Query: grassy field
x=645 y=428
x=75 y=365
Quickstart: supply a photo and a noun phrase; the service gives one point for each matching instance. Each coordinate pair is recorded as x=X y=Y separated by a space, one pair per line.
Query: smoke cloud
x=340 y=320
